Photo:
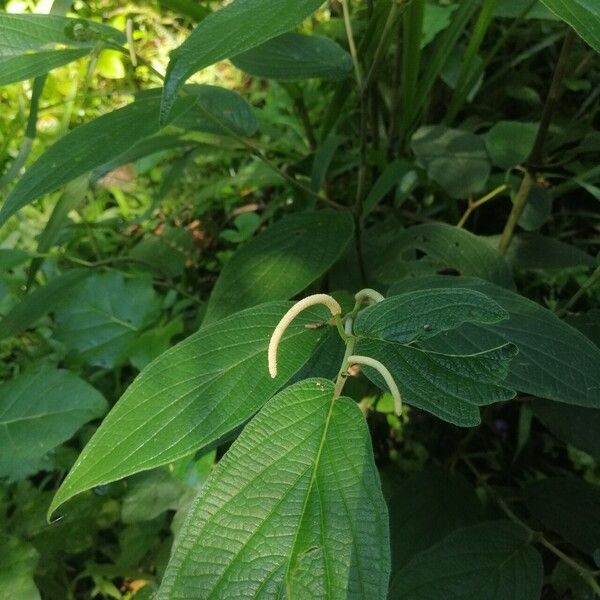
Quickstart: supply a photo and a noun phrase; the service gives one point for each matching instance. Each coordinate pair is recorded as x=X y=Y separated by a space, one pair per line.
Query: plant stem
x=537 y=152
x=586 y=574
x=473 y=205
x=351 y=44
x=302 y=111
x=593 y=278
x=343 y=372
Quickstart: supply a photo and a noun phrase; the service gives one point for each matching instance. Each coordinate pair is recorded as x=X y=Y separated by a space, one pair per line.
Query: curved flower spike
x=368 y=294
x=289 y=316
x=375 y=364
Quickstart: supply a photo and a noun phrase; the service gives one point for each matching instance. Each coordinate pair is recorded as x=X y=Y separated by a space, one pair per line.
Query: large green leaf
x=573 y=425
x=235 y=28
x=445 y=247
x=39 y=411
x=104 y=315
x=294 y=509
x=450 y=386
x=427 y=507
x=205 y=108
x=280 y=262
x=555 y=361
x=582 y=15
x=569 y=506
x=18 y=561
x=293 y=56
x=193 y=395
x=490 y=560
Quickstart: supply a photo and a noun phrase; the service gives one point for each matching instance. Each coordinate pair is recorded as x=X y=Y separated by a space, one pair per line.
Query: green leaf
x=24 y=33
x=537 y=210
x=40 y=302
x=436 y=18
x=151 y=494
x=489 y=560
x=449 y=386
x=446 y=247
x=294 y=509
x=582 y=15
x=456 y=160
x=205 y=108
x=533 y=251
x=423 y=314
x=509 y=143
x=293 y=56
x=427 y=507
x=235 y=28
x=280 y=262
x=11 y=258
x=39 y=411
x=196 y=393
x=568 y=506
x=555 y=361
x=18 y=561
x=166 y=253
x=29 y=66
x=104 y=315
x=32 y=44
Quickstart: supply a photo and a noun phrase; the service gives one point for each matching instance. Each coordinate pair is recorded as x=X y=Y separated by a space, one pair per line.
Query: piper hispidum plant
x=295 y=508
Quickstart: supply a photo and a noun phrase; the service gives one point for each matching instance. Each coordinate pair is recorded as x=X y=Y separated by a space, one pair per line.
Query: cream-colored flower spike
x=289 y=316
x=375 y=364
x=369 y=295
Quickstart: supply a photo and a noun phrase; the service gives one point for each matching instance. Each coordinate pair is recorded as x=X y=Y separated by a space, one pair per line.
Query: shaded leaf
x=293 y=56
x=425 y=508
x=106 y=312
x=39 y=411
x=573 y=425
x=300 y=494
x=569 y=506
x=192 y=396
x=509 y=143
x=555 y=361
x=456 y=160
x=18 y=561
x=40 y=302
x=280 y=262
x=489 y=560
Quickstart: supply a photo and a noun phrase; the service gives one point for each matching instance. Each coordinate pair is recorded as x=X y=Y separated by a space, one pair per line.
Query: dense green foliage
x=176 y=176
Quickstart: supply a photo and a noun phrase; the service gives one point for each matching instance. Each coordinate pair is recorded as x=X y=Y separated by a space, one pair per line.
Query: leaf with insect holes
x=294 y=509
